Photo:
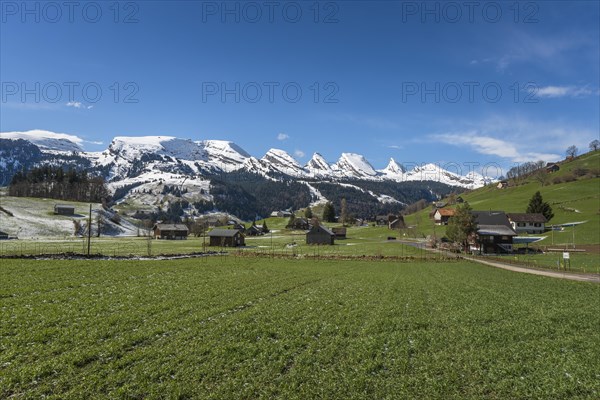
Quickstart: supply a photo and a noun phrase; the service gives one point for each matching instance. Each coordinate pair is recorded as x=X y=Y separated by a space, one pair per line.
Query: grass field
x=368 y=241
x=247 y=328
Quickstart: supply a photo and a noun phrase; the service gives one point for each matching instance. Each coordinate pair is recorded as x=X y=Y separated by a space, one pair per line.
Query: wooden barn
x=255 y=230
x=320 y=235
x=170 y=231
x=226 y=238
x=298 y=224
x=62 y=209
x=397 y=223
x=441 y=216
x=340 y=232
x=552 y=167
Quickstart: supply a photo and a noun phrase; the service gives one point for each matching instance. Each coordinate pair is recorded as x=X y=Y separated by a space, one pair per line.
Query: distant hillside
x=574 y=198
x=27 y=217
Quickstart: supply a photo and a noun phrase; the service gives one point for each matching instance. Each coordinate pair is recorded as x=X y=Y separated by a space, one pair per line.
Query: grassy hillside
x=578 y=200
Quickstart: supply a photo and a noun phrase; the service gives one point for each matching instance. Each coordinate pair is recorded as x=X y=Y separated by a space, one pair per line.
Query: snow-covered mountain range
x=130 y=157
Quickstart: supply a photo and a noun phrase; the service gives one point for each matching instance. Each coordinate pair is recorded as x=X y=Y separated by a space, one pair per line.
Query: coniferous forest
x=55 y=183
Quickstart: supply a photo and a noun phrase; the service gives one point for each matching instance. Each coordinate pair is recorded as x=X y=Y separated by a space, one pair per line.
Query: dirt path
x=594 y=278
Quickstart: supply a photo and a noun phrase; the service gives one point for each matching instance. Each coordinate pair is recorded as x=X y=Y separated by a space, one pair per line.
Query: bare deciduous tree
x=572 y=151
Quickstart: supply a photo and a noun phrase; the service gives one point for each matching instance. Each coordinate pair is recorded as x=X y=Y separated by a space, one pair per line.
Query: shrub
x=594 y=173
x=580 y=171
x=557 y=179
x=569 y=178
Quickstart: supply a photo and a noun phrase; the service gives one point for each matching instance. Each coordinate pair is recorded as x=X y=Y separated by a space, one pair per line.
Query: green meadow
x=252 y=328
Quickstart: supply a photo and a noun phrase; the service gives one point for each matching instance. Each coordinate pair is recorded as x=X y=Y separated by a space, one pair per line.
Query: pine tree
x=538 y=205
x=461 y=225
x=308 y=213
x=265 y=228
x=328 y=212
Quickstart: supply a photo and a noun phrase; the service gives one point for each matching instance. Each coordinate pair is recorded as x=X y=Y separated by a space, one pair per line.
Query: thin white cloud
x=282 y=136
x=93 y=142
x=494 y=147
x=299 y=154
x=520 y=46
x=516 y=138
x=77 y=104
x=565 y=91
x=395 y=147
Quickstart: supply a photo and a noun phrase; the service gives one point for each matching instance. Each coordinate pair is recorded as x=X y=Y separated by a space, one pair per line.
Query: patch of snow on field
x=34 y=218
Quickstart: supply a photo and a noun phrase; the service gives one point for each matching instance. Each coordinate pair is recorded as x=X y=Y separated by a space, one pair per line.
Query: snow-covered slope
x=280 y=161
x=131 y=148
x=47 y=141
x=317 y=167
x=226 y=155
x=433 y=172
x=33 y=218
x=393 y=171
x=354 y=166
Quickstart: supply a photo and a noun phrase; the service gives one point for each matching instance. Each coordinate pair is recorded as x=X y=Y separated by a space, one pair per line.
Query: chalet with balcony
x=527 y=222
x=494 y=233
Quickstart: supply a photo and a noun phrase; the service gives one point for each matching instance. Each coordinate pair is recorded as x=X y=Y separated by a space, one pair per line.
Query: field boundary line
x=593 y=278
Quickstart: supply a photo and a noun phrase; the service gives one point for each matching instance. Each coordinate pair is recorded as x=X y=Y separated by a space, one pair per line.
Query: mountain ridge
x=156 y=172
x=198 y=157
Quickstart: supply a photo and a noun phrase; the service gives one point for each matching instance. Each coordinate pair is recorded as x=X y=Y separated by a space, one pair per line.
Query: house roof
x=397 y=220
x=495 y=230
x=223 y=232
x=527 y=217
x=491 y=218
x=171 y=227
x=315 y=229
x=446 y=212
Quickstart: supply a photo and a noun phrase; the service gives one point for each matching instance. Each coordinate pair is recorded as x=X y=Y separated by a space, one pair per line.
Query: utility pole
x=272 y=250
x=89 y=230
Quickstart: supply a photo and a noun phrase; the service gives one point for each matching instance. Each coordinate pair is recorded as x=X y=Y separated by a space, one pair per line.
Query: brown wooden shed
x=170 y=231
x=320 y=235
x=226 y=238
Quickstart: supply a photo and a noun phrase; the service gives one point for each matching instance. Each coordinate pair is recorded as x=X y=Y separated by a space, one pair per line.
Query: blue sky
x=415 y=81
